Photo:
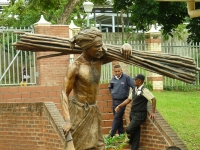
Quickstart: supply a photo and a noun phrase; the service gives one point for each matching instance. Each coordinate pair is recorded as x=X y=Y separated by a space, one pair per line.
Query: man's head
x=90 y=38
x=139 y=80
x=86 y=38
x=173 y=148
x=117 y=70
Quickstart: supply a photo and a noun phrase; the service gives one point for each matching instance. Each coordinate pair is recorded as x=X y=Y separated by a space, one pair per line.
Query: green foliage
x=193 y=30
x=178 y=32
x=170 y=15
x=183 y=88
x=79 y=14
x=149 y=86
x=46 y=5
x=147 y=12
x=18 y=15
x=6 y=40
x=167 y=14
x=101 y=2
x=122 y=4
x=144 y=13
x=116 y=142
x=193 y=27
x=21 y=14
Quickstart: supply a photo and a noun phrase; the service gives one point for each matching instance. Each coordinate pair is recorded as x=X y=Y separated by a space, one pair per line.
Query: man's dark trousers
x=117 y=124
x=133 y=129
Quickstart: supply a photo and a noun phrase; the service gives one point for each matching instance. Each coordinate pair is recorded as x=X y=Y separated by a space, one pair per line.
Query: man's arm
x=149 y=96
x=127 y=101
x=68 y=86
x=131 y=83
x=152 y=115
x=110 y=86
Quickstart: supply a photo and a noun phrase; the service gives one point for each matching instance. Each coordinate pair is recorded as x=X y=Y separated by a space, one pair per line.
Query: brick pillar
x=51 y=71
x=125 y=68
x=153 y=41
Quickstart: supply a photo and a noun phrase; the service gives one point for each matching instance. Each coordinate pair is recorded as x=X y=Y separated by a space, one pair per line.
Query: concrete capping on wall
x=165 y=129
x=55 y=119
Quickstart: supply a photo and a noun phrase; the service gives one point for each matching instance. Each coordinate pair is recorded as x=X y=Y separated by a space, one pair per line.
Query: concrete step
x=108 y=123
x=107 y=116
x=105 y=130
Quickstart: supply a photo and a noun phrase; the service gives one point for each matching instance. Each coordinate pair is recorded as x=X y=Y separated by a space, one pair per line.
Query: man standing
x=140 y=96
x=82 y=117
x=119 y=88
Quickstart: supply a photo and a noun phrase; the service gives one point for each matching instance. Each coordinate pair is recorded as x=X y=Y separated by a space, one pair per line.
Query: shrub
x=116 y=142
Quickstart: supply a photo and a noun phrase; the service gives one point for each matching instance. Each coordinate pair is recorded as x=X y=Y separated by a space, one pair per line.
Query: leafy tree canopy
x=169 y=15
x=193 y=28
x=144 y=13
x=21 y=13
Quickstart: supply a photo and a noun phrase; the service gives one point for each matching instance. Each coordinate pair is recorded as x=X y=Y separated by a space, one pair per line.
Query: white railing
x=15 y=65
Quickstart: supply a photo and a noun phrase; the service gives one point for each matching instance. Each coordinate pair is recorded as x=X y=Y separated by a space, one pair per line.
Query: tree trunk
x=68 y=9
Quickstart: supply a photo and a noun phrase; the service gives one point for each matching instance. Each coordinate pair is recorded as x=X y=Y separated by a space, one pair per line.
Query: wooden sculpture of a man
x=83 y=77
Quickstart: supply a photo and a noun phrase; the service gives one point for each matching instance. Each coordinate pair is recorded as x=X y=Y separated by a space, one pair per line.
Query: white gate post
x=153 y=41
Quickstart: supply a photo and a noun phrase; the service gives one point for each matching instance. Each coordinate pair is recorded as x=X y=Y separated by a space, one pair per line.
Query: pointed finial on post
x=42 y=21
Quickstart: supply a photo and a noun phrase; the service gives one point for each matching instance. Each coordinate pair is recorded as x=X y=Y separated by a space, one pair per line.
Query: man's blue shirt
x=119 y=89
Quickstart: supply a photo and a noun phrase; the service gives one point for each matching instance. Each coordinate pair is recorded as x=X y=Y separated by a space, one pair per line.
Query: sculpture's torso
x=87 y=81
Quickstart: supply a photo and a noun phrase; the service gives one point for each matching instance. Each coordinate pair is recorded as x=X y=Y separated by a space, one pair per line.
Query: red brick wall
x=104 y=103
x=29 y=126
x=154 y=135
x=51 y=71
x=31 y=94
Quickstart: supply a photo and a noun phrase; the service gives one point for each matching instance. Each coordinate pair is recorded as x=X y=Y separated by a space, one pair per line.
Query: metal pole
x=94 y=19
x=88 y=20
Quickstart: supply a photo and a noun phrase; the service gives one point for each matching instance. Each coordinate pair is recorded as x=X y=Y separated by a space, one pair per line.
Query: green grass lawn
x=182 y=111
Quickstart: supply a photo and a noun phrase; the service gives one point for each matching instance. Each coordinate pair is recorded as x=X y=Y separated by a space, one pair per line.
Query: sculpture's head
x=89 y=38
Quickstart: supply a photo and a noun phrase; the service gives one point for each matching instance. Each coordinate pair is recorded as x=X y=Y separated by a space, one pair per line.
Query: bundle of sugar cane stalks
x=173 y=66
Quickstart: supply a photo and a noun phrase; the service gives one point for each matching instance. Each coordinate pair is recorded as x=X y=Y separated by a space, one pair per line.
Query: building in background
x=3 y=3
